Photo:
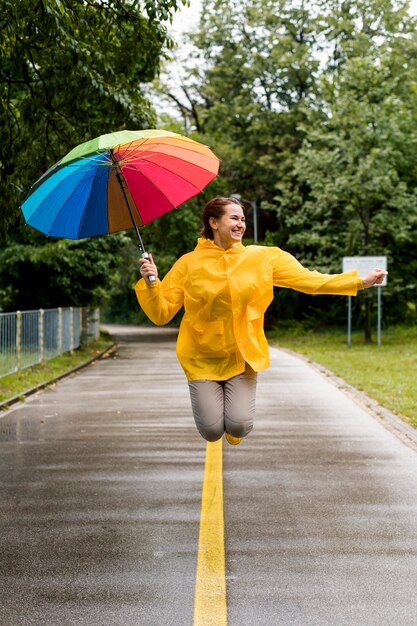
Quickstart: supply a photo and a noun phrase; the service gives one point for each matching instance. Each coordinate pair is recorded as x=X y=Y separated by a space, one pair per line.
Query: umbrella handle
x=145 y=255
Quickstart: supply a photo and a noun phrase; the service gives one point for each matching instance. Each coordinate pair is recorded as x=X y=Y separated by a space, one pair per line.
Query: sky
x=184 y=21
x=187 y=17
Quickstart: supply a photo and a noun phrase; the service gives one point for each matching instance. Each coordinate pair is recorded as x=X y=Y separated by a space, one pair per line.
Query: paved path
x=100 y=495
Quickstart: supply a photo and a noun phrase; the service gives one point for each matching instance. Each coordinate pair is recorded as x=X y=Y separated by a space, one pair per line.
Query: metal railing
x=30 y=337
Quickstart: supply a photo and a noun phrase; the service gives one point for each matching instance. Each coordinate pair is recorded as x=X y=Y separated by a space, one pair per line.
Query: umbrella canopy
x=117 y=181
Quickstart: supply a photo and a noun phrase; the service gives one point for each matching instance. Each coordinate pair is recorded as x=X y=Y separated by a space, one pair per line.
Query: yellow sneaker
x=232 y=440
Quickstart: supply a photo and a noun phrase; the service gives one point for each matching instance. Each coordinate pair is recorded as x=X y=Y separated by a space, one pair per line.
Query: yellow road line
x=210 y=607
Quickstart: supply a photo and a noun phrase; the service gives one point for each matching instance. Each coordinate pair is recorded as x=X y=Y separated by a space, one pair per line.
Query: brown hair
x=215 y=208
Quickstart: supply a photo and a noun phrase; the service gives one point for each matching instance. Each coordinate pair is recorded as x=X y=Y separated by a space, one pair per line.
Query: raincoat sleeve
x=162 y=302
x=288 y=272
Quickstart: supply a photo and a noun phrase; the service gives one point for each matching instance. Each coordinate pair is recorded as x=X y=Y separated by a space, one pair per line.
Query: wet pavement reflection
x=100 y=495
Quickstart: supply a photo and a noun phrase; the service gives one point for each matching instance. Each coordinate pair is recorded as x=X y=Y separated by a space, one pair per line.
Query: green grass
x=387 y=373
x=18 y=383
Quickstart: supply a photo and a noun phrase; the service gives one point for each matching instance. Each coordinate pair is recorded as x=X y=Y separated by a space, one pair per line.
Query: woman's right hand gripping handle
x=147 y=269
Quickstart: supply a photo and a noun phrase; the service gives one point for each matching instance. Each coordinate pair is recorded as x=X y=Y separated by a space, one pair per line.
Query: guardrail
x=30 y=337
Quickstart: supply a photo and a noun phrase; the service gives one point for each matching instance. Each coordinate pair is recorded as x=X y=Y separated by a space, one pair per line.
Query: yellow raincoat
x=225 y=294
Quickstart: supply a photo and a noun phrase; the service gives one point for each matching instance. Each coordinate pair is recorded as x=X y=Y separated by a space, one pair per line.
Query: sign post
x=364 y=265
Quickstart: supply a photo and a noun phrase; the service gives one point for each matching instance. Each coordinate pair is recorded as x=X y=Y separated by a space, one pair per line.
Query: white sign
x=365 y=264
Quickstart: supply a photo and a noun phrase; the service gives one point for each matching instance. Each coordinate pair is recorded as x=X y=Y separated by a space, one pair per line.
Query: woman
x=226 y=288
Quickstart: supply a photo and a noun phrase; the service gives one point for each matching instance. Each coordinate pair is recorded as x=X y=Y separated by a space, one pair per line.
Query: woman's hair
x=215 y=208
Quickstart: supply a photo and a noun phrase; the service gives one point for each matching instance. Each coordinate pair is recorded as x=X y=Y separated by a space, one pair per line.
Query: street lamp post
x=254 y=212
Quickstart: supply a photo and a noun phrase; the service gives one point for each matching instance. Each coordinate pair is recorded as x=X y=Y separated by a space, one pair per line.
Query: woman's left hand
x=375 y=277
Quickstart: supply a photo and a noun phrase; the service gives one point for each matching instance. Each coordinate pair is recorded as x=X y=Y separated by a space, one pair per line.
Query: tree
x=354 y=187
x=71 y=70
x=243 y=91
x=61 y=273
x=312 y=108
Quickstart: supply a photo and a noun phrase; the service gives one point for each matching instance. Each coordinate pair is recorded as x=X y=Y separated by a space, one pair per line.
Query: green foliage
x=312 y=108
x=25 y=380
x=162 y=10
x=356 y=172
x=60 y=273
x=386 y=373
x=258 y=67
x=70 y=70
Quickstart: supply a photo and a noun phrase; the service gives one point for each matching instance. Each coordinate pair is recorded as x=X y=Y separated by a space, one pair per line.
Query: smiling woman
x=225 y=289
x=224 y=222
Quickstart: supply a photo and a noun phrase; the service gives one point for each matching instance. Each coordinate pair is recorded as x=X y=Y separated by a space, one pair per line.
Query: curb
x=21 y=396
x=389 y=420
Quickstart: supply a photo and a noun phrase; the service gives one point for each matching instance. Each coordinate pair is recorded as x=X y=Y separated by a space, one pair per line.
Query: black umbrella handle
x=145 y=255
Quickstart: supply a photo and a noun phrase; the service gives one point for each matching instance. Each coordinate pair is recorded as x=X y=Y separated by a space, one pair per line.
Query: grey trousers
x=224 y=405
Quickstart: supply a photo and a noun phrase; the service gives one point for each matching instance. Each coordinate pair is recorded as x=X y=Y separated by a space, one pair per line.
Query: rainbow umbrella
x=118 y=181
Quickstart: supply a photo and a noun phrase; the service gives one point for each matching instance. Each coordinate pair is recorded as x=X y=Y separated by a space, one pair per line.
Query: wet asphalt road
x=100 y=493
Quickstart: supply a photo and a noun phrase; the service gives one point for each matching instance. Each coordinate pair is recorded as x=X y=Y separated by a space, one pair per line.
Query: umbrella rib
x=74 y=166
x=160 y=190
x=155 y=143
x=177 y=158
x=103 y=161
x=122 y=151
x=85 y=157
x=81 y=221
x=125 y=147
x=46 y=198
x=62 y=207
x=208 y=156
x=156 y=187
x=133 y=167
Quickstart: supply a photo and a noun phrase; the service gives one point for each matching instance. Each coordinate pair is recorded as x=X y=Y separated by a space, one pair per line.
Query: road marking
x=210 y=607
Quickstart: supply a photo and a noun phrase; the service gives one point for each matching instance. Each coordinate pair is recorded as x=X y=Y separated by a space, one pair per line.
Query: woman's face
x=230 y=227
